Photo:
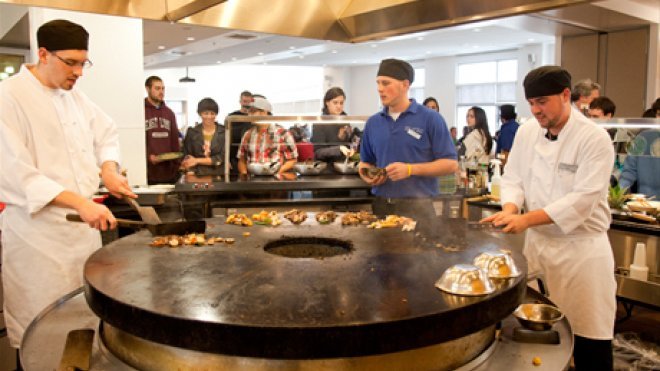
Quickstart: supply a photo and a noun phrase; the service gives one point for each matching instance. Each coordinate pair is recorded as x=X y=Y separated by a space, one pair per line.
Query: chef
x=558 y=170
x=54 y=142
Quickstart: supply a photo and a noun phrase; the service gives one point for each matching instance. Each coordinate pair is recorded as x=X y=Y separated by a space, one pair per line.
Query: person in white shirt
x=478 y=143
x=54 y=142
x=559 y=171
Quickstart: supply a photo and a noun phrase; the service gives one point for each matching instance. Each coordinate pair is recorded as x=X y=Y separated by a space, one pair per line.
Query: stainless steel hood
x=338 y=20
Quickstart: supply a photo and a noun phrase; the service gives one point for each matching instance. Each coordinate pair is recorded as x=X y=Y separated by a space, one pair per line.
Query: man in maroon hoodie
x=162 y=135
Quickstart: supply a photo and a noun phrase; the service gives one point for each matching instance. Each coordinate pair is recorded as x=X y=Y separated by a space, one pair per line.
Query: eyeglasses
x=71 y=63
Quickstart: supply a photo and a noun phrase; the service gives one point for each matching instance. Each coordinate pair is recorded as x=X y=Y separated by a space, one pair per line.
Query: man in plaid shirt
x=266 y=143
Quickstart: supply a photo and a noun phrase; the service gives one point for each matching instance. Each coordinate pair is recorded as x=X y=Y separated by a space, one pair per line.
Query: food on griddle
x=326 y=217
x=360 y=217
x=295 y=216
x=267 y=218
x=239 y=219
x=193 y=239
x=392 y=221
x=230 y=240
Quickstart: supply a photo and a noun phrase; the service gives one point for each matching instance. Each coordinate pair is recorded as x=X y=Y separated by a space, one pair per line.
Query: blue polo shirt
x=418 y=135
x=507 y=134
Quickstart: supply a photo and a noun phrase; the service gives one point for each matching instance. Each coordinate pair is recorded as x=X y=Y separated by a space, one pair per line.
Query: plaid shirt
x=267 y=145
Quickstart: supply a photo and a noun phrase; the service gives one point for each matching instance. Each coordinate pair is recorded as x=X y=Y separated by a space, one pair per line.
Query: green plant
x=617 y=196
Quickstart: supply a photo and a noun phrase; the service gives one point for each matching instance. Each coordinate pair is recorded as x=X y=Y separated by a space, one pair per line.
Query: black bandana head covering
x=61 y=34
x=546 y=80
x=397 y=69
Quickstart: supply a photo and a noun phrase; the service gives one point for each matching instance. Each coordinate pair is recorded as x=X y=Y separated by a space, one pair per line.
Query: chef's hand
x=399 y=171
x=510 y=223
x=96 y=215
x=153 y=159
x=116 y=183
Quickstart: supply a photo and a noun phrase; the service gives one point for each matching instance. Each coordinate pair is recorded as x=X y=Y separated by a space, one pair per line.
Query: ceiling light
x=428 y=52
x=218 y=62
x=186 y=78
x=374 y=45
x=161 y=47
x=354 y=62
x=420 y=38
x=10 y=69
x=190 y=38
x=234 y=59
x=334 y=52
x=260 y=53
x=301 y=56
x=530 y=39
x=292 y=47
x=477 y=30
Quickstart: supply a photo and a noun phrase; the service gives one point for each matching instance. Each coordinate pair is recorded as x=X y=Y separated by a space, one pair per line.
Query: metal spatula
x=147 y=213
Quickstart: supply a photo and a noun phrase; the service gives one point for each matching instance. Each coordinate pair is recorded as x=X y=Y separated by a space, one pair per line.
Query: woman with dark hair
x=479 y=142
x=328 y=137
x=204 y=144
x=432 y=103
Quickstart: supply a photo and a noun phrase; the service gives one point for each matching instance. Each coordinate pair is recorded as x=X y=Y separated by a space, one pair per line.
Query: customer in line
x=478 y=143
x=558 y=171
x=423 y=150
x=328 y=137
x=204 y=144
x=162 y=134
x=266 y=143
x=432 y=104
x=507 y=131
x=55 y=141
x=238 y=128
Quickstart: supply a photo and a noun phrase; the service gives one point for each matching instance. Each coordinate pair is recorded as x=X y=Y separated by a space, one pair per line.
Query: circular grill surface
x=241 y=300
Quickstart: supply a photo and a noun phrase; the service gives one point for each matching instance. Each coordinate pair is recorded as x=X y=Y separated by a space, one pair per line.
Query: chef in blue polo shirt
x=411 y=142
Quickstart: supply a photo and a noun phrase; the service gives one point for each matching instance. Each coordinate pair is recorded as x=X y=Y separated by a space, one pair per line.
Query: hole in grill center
x=308 y=247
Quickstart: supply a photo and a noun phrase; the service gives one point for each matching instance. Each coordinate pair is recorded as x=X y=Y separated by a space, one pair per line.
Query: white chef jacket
x=568 y=179
x=52 y=140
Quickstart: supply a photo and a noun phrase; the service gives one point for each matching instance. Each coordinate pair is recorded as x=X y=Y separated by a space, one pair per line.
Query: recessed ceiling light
x=475 y=46
x=190 y=38
x=334 y=52
x=260 y=53
x=292 y=47
x=477 y=30
x=374 y=45
x=161 y=47
x=530 y=39
x=234 y=58
x=420 y=38
x=218 y=62
x=301 y=56
x=354 y=62
x=10 y=69
x=428 y=52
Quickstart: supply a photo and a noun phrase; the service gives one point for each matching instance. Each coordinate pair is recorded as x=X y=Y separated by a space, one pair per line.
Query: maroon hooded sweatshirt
x=162 y=135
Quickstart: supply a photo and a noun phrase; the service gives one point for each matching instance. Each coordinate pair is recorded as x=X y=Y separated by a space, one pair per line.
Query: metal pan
x=160 y=229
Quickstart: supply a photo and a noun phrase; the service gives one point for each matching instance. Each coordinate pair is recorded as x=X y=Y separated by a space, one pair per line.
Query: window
x=486 y=85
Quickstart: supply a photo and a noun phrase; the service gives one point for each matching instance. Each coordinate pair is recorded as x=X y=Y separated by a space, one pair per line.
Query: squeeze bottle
x=496 y=179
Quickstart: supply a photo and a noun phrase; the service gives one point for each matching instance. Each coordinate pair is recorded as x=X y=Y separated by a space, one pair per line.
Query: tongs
x=484 y=226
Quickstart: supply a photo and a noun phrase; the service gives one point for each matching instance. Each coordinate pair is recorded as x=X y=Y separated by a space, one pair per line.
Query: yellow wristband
x=409 y=170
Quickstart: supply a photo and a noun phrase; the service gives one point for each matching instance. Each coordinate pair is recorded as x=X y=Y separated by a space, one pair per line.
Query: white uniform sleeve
x=22 y=183
x=512 y=187
x=590 y=181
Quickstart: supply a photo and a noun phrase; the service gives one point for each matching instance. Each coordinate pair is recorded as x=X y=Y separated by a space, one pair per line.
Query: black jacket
x=193 y=145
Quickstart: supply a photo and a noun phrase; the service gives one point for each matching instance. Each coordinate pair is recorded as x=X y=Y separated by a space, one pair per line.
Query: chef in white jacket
x=54 y=143
x=559 y=170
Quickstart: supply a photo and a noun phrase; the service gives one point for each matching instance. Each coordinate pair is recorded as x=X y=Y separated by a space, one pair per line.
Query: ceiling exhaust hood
x=338 y=20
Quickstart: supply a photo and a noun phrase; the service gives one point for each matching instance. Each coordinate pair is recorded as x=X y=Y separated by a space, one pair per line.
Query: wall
x=363 y=93
x=115 y=81
x=225 y=83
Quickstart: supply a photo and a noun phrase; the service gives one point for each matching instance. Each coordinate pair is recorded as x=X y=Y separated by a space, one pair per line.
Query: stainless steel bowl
x=497 y=264
x=268 y=168
x=465 y=279
x=310 y=168
x=537 y=317
x=350 y=167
